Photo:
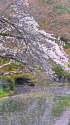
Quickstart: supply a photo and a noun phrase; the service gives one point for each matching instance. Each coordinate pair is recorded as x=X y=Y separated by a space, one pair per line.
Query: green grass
x=3 y=94
x=61 y=106
x=59 y=83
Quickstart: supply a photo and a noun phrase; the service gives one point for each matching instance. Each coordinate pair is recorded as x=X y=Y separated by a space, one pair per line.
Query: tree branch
x=3 y=20
x=6 y=64
x=11 y=72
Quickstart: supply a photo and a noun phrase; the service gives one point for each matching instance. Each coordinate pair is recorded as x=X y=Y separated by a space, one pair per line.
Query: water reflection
x=38 y=107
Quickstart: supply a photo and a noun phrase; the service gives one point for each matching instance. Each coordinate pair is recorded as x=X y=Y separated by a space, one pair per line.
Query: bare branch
x=11 y=72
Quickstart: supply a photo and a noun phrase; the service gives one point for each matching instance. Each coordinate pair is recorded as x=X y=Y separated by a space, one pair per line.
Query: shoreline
x=25 y=89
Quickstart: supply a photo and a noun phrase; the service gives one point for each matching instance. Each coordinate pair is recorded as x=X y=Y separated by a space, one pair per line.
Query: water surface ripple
x=40 y=106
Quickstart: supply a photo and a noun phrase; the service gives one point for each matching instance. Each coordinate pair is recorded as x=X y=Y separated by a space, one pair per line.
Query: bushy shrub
x=8 y=83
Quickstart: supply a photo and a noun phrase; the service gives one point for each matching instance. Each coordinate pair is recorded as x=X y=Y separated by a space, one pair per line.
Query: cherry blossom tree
x=23 y=41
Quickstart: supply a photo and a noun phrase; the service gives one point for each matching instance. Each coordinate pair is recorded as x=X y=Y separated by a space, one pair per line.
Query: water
x=40 y=106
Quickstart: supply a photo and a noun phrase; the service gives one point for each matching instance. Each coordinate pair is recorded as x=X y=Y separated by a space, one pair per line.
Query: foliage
x=68 y=11
x=3 y=94
x=2 y=61
x=15 y=63
x=69 y=65
x=59 y=8
x=64 y=39
x=67 y=45
x=59 y=71
x=50 y=2
x=44 y=1
x=8 y=86
x=8 y=83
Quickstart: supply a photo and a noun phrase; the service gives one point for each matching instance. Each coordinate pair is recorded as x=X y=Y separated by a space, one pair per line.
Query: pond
x=41 y=106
